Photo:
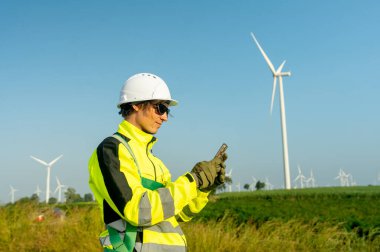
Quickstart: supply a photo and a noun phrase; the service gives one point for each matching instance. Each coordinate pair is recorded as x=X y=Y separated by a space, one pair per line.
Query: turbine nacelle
x=282 y=74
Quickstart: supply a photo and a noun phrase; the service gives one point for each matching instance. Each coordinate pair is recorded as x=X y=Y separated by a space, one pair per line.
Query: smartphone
x=221 y=150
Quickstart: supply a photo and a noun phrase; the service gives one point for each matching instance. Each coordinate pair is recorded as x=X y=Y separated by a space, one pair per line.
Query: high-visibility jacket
x=116 y=177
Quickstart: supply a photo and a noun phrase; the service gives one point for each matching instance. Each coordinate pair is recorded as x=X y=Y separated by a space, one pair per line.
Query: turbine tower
x=59 y=189
x=48 y=165
x=12 y=193
x=279 y=74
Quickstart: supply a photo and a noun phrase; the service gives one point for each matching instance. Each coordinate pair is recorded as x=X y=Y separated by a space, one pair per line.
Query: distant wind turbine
x=340 y=177
x=238 y=186
x=48 y=165
x=38 y=191
x=311 y=180
x=268 y=185
x=59 y=189
x=278 y=74
x=254 y=181
x=346 y=177
x=12 y=193
x=300 y=177
x=343 y=177
x=351 y=180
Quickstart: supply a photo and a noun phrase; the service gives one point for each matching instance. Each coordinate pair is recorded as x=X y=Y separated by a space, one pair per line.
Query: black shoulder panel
x=115 y=181
x=109 y=215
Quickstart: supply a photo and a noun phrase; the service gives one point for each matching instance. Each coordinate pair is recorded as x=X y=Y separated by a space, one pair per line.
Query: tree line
x=71 y=196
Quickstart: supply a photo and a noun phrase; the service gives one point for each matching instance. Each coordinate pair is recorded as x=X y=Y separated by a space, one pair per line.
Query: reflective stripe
x=165 y=227
x=125 y=143
x=167 y=202
x=161 y=228
x=119 y=225
x=161 y=247
x=138 y=246
x=145 y=215
x=105 y=241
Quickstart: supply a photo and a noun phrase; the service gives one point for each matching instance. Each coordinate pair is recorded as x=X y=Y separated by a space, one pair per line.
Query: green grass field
x=323 y=219
x=356 y=207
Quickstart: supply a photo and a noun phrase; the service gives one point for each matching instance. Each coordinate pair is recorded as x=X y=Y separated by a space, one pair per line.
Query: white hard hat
x=145 y=87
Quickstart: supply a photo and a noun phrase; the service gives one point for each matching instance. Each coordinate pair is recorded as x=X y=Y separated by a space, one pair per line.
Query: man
x=140 y=204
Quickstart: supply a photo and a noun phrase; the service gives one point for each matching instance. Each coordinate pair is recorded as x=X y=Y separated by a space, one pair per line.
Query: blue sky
x=62 y=64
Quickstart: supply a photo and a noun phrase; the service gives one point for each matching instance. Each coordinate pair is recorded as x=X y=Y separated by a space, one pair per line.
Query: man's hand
x=208 y=173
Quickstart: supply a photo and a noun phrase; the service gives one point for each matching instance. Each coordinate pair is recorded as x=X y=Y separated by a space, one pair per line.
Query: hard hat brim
x=171 y=102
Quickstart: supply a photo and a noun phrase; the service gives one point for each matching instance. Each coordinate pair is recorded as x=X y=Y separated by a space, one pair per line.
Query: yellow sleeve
x=194 y=207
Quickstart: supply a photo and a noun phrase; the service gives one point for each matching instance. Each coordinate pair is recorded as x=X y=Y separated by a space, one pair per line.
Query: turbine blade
x=58 y=182
x=271 y=67
x=55 y=160
x=40 y=161
x=273 y=94
x=279 y=69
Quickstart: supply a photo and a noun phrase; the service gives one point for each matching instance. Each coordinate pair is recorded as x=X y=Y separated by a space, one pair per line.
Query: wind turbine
x=278 y=74
x=300 y=177
x=48 y=165
x=12 y=193
x=340 y=177
x=311 y=181
x=254 y=181
x=268 y=185
x=59 y=189
x=238 y=186
x=343 y=177
x=38 y=191
x=351 y=180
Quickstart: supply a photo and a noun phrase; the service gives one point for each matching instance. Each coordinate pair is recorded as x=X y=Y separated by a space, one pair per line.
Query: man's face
x=149 y=118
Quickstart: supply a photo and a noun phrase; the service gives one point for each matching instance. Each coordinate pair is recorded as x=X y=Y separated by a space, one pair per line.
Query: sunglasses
x=161 y=109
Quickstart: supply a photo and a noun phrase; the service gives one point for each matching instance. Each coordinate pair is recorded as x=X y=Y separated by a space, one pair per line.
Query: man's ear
x=135 y=107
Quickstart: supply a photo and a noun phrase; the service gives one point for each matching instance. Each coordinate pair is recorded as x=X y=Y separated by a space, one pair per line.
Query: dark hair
x=126 y=108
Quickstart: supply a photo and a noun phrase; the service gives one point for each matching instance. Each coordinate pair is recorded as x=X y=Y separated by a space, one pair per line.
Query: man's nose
x=164 y=117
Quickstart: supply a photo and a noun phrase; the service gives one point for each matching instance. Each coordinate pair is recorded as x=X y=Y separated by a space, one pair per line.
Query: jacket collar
x=135 y=134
